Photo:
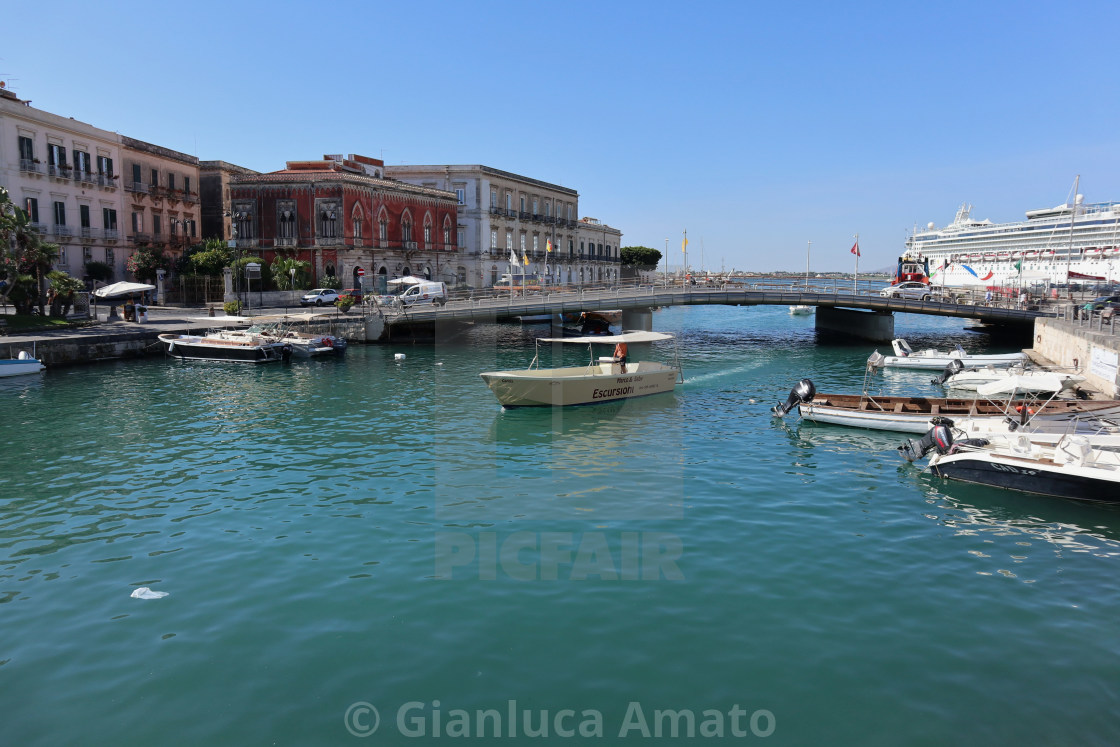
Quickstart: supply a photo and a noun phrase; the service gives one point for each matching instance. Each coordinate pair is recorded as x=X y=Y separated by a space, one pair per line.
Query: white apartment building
x=80 y=187
x=502 y=214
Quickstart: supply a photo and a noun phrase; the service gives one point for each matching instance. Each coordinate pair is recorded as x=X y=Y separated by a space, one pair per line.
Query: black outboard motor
x=955 y=367
x=939 y=437
x=803 y=391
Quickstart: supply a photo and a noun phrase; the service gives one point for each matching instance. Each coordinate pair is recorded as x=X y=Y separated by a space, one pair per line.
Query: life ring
x=1019 y=409
x=328 y=342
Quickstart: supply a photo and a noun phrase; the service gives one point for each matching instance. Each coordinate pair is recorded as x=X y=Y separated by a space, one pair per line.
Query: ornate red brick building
x=341 y=214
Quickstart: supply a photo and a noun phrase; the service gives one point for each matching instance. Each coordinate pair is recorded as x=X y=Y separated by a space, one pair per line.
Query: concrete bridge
x=862 y=313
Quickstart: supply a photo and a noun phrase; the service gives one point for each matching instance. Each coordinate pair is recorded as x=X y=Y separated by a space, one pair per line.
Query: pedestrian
x=1022 y=299
x=620 y=352
x=988 y=298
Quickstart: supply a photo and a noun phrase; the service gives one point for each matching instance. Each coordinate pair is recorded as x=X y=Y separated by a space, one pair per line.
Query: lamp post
x=292 y=272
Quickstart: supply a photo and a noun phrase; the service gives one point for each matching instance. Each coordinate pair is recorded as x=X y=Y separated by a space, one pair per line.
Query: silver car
x=910 y=289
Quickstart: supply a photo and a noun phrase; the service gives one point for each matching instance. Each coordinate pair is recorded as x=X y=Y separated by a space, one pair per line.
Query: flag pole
x=855 y=280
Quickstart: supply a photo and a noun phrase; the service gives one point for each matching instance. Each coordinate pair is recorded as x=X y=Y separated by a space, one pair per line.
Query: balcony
x=191 y=197
x=141 y=238
x=111 y=234
x=524 y=216
x=284 y=242
x=86 y=232
x=58 y=172
x=410 y=246
x=139 y=187
x=62 y=231
x=106 y=180
x=30 y=165
x=84 y=176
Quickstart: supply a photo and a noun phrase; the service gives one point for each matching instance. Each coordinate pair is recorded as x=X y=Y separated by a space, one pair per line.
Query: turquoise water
x=367 y=531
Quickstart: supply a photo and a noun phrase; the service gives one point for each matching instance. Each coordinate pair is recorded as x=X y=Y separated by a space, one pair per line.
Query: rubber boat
x=905 y=357
x=602 y=379
x=1071 y=468
x=956 y=376
x=21 y=365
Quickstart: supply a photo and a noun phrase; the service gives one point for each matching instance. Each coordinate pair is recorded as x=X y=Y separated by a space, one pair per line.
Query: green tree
x=144 y=263
x=238 y=266
x=25 y=258
x=639 y=256
x=101 y=271
x=282 y=273
x=61 y=293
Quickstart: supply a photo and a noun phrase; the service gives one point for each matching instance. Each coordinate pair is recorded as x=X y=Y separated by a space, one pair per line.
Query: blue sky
x=755 y=126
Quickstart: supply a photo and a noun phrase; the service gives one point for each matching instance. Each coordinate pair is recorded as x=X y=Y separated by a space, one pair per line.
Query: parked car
x=319 y=297
x=910 y=289
x=355 y=293
x=1103 y=302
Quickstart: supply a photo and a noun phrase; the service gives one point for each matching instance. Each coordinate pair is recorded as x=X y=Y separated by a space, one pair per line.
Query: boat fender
x=328 y=342
x=1019 y=409
x=24 y=355
x=803 y=391
x=171 y=347
x=939 y=438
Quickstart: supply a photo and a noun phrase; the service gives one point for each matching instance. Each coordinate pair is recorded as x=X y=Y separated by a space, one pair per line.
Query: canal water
x=371 y=545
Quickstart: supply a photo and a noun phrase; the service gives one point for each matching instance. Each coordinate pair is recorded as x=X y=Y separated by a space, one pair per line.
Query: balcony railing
x=111 y=234
x=288 y=241
x=87 y=233
x=140 y=187
x=42 y=228
x=410 y=245
x=106 y=180
x=141 y=238
x=59 y=172
x=29 y=164
x=60 y=230
x=524 y=215
x=84 y=176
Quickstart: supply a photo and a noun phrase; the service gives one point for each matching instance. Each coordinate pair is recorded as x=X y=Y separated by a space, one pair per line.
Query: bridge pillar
x=877 y=326
x=637 y=319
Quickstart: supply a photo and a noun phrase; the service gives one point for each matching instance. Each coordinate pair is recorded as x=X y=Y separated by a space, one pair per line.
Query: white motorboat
x=1074 y=467
x=602 y=379
x=905 y=357
x=304 y=343
x=800 y=310
x=956 y=376
x=21 y=365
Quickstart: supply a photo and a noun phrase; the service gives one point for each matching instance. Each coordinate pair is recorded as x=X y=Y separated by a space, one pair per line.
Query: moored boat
x=905 y=357
x=234 y=347
x=1074 y=467
x=21 y=365
x=602 y=379
x=913 y=414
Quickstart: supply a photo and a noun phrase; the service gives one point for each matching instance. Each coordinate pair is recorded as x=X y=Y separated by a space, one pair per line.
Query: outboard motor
x=939 y=437
x=803 y=391
x=955 y=367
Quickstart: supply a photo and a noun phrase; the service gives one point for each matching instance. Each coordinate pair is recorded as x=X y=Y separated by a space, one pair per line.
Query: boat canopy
x=627 y=337
x=407 y=280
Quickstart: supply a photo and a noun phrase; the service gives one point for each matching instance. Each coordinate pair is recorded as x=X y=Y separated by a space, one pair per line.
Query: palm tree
x=26 y=257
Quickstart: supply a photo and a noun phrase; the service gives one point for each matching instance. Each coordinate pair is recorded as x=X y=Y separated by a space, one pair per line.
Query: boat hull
x=939 y=362
x=912 y=414
x=20 y=367
x=190 y=347
x=1030 y=476
x=581 y=385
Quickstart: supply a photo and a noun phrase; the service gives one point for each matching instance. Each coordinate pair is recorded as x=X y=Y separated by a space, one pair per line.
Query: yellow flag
x=548 y=245
x=524 y=258
x=684 y=244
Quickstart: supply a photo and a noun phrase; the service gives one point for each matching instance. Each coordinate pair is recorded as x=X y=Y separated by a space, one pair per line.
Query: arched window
x=357 y=218
x=383 y=227
x=427 y=230
x=406 y=227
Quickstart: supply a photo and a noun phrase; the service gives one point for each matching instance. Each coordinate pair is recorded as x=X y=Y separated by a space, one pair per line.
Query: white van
x=426 y=292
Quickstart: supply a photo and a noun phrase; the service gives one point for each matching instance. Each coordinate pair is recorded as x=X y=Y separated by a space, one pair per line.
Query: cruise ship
x=1078 y=243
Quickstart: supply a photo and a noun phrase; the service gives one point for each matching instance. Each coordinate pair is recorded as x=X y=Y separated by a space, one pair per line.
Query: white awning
x=119 y=290
x=627 y=337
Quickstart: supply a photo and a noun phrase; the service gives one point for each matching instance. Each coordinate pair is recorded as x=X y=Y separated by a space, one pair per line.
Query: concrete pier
x=877 y=326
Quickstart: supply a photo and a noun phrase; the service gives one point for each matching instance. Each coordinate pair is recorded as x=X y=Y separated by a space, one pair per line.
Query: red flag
x=855 y=248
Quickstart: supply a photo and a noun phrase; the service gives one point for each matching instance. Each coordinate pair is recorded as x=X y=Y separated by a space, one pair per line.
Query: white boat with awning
x=603 y=379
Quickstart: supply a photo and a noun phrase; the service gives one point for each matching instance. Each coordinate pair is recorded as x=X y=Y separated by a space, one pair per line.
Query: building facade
x=65 y=175
x=95 y=193
x=213 y=189
x=344 y=217
x=161 y=196
x=504 y=215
